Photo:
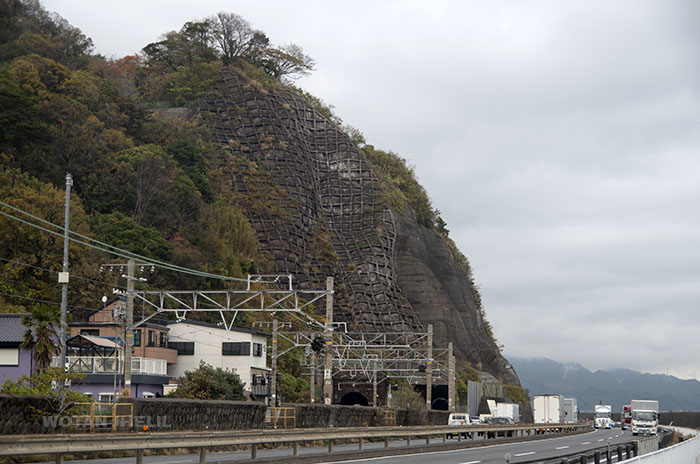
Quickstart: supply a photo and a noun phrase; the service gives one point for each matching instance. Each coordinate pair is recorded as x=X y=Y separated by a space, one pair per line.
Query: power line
x=110 y=249
x=37 y=300
x=72 y=276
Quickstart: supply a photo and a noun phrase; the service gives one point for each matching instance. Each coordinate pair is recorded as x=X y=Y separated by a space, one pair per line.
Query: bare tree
x=288 y=61
x=233 y=34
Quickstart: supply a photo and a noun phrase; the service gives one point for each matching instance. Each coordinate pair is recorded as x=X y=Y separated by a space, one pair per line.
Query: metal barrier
x=287 y=416
x=686 y=452
x=18 y=445
x=113 y=419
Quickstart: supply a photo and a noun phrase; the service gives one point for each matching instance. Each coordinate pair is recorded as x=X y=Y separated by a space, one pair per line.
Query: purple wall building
x=15 y=361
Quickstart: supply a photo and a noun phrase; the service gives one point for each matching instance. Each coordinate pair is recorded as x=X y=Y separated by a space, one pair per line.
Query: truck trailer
x=645 y=417
x=548 y=409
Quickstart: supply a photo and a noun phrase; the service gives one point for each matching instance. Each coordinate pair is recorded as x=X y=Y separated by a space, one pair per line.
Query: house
x=96 y=348
x=243 y=351
x=15 y=361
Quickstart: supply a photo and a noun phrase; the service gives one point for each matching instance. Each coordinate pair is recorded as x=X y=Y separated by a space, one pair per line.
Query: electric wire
x=38 y=300
x=110 y=249
x=72 y=276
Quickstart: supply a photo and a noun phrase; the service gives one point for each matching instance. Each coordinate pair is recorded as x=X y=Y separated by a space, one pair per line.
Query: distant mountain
x=613 y=386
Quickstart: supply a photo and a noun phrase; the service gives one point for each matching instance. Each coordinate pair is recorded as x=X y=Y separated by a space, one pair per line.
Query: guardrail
x=686 y=452
x=17 y=445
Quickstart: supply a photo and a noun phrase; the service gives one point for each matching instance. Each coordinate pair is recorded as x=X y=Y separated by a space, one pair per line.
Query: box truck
x=511 y=410
x=645 y=417
x=602 y=419
x=548 y=409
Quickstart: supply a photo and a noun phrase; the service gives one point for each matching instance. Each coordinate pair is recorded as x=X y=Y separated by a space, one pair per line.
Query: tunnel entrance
x=353 y=398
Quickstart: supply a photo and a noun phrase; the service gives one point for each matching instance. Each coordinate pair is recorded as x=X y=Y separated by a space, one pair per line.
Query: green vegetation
x=40 y=337
x=52 y=384
x=207 y=383
x=143 y=180
x=465 y=374
x=517 y=394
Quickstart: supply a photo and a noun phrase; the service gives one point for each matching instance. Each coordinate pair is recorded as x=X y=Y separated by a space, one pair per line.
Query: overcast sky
x=560 y=140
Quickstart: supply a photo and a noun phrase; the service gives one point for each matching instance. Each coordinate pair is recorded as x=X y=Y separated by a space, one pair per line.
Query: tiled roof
x=11 y=328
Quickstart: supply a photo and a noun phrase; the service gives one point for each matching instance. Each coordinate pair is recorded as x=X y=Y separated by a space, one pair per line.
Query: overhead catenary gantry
x=379 y=357
x=262 y=293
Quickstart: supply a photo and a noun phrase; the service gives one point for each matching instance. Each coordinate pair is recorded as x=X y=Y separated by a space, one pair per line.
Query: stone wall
x=183 y=414
x=23 y=415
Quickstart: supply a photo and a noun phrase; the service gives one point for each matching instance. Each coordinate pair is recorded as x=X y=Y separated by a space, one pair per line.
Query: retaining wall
x=22 y=414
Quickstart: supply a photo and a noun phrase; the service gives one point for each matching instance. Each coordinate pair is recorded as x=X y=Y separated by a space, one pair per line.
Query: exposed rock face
x=317 y=208
x=438 y=288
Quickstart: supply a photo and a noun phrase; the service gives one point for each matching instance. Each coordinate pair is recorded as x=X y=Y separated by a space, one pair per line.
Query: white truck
x=548 y=409
x=511 y=410
x=645 y=417
x=602 y=419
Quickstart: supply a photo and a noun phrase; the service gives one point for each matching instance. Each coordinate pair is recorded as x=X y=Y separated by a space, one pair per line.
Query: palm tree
x=42 y=335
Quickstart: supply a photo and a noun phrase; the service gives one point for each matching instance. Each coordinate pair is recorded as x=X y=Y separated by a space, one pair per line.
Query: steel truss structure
x=263 y=293
x=377 y=357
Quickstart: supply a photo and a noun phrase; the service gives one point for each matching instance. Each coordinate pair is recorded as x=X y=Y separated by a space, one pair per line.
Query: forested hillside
x=200 y=152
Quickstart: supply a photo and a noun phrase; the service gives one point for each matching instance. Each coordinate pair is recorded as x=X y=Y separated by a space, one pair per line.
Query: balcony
x=111 y=365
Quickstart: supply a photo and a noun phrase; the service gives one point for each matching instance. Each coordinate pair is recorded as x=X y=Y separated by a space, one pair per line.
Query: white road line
x=561 y=447
x=470 y=462
x=601 y=439
x=586 y=443
x=524 y=454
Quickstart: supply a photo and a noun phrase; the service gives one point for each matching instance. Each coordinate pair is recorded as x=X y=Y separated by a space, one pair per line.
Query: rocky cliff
x=318 y=210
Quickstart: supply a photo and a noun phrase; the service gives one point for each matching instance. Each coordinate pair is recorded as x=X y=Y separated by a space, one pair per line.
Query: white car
x=457 y=419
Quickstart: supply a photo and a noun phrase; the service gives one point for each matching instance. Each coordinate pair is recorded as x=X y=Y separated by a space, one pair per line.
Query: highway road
x=521 y=452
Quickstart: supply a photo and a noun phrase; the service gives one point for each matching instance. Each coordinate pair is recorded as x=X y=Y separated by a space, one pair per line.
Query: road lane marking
x=602 y=439
x=524 y=454
x=470 y=462
x=500 y=445
x=561 y=447
x=586 y=443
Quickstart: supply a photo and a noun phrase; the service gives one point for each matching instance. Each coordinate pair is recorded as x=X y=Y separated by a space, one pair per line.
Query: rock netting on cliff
x=317 y=209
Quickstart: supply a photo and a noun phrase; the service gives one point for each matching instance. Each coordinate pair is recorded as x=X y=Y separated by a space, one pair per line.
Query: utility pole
x=63 y=276
x=129 y=335
x=328 y=333
x=273 y=387
x=451 y=393
x=312 y=382
x=429 y=370
x=374 y=384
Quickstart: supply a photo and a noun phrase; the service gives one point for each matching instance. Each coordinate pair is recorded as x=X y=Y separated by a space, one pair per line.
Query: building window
x=137 y=337
x=92 y=332
x=151 y=338
x=106 y=397
x=183 y=348
x=235 y=348
x=259 y=380
x=163 y=339
x=9 y=356
x=257 y=349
